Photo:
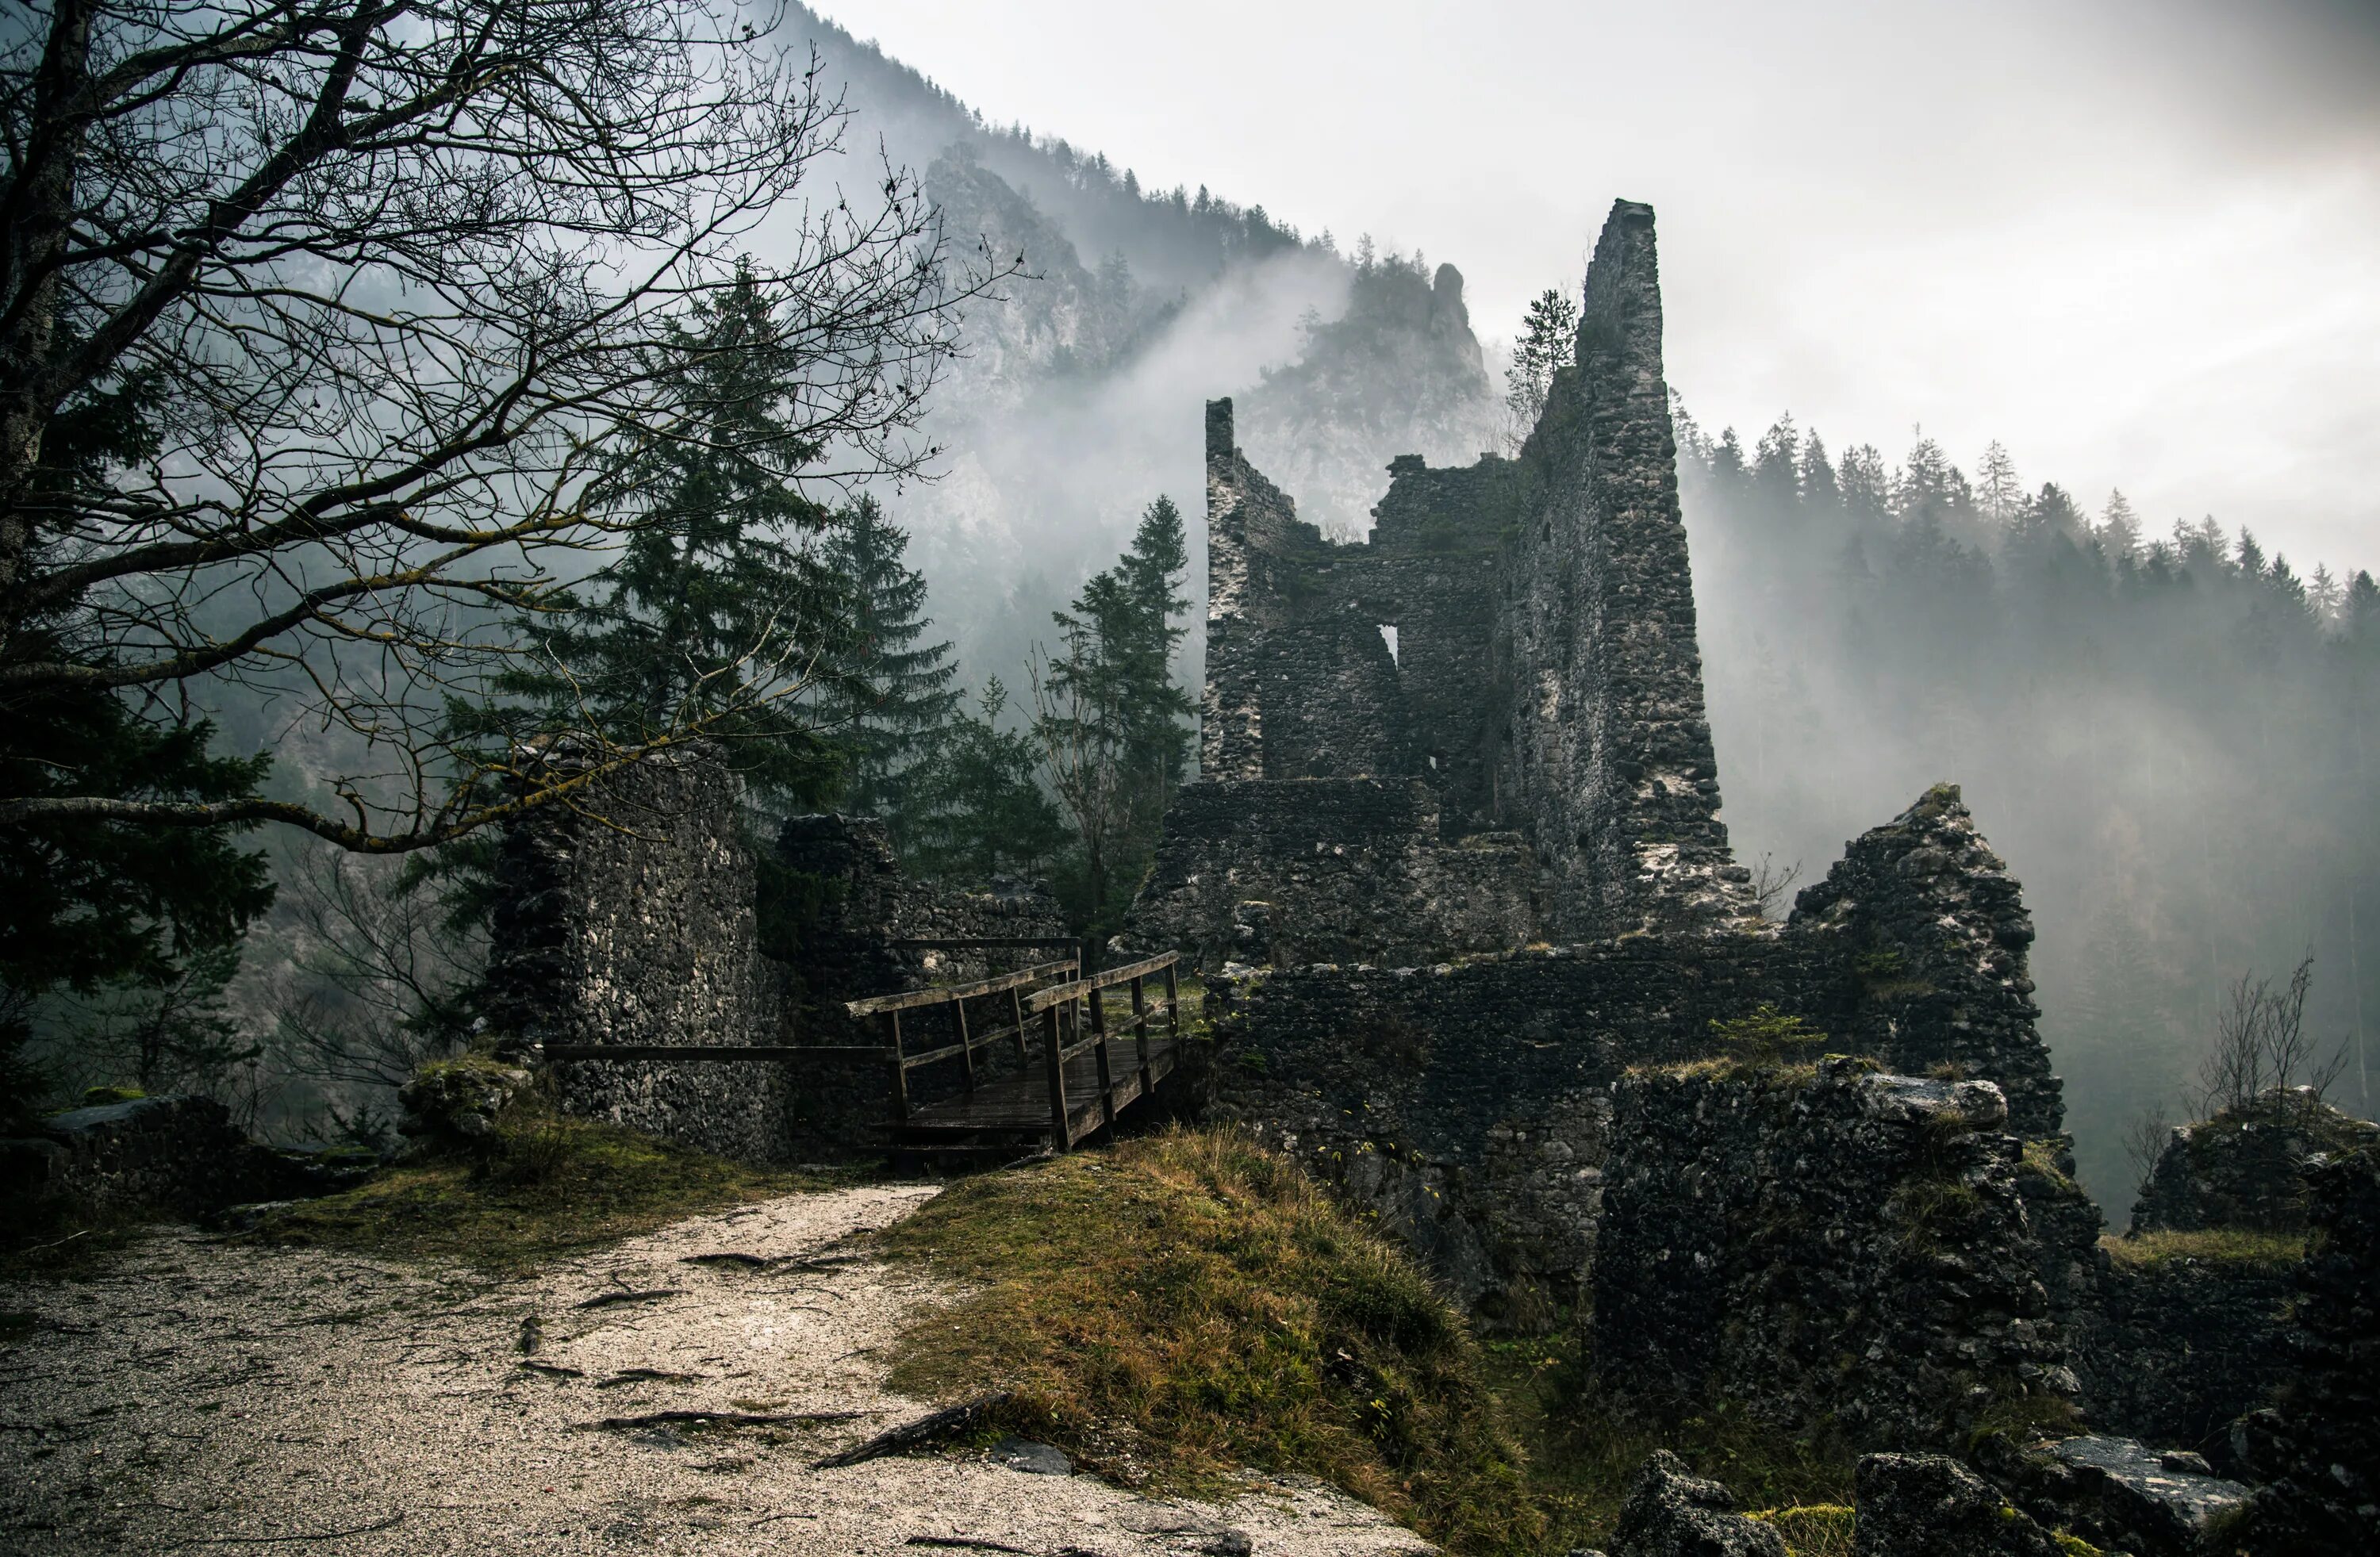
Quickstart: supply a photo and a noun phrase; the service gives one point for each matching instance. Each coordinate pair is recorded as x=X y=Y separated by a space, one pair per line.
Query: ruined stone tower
x=1496 y=699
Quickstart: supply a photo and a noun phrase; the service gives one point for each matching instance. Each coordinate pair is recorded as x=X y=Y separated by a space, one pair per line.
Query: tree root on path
x=946 y=1423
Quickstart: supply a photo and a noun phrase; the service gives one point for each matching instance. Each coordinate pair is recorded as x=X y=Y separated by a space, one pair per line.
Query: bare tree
x=389 y=286
x=1771 y=882
x=2261 y=1045
x=384 y=972
x=2145 y=1134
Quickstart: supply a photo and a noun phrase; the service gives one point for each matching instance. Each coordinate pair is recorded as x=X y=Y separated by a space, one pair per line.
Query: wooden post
x=1100 y=1055
x=1055 y=1045
x=1017 y=1005
x=966 y=1050
x=1140 y=1036
x=900 y=1070
x=1172 y=1004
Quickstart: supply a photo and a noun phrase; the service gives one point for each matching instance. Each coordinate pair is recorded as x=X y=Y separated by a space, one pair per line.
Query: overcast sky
x=2136 y=240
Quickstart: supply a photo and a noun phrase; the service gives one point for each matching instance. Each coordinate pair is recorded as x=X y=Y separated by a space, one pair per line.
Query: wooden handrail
x=1125 y=972
x=1107 y=978
x=715 y=1051
x=908 y=999
x=971 y=943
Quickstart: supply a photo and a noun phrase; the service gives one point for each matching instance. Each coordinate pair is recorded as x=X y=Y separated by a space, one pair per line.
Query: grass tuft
x=1182 y=1305
x=1818 y=1529
x=2212 y=1246
x=1584 y=1452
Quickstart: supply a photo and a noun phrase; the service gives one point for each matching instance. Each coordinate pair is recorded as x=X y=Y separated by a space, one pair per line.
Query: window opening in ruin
x=1389 y=637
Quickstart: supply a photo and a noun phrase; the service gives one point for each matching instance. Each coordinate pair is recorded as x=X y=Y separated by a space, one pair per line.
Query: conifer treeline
x=2173 y=737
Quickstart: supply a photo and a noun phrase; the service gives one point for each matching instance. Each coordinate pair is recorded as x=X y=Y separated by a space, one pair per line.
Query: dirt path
x=199 y=1396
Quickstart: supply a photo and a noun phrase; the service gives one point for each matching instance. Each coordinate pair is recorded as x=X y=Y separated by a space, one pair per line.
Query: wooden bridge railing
x=1081 y=1003
x=955 y=997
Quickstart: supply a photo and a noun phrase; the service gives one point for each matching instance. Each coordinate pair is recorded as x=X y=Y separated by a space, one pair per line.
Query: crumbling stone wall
x=177 y=1153
x=1464 y=1102
x=627 y=918
x=638 y=918
x=2173 y=1349
x=2320 y=1446
x=1607 y=750
x=1324 y=871
x=2245 y=1166
x=1849 y=1248
x=1545 y=674
x=1928 y=921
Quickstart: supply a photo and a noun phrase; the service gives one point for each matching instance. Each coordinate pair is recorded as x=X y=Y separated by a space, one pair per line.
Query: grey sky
x=2138 y=242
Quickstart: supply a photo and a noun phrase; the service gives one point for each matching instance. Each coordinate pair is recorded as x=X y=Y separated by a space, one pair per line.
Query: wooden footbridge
x=1044 y=1055
x=1039 y=1057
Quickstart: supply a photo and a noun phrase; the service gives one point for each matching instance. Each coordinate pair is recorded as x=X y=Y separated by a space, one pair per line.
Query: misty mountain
x=1077 y=401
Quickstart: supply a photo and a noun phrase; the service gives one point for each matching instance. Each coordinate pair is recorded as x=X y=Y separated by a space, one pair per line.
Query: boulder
x=2144 y=1499
x=457 y=1101
x=1930 y=1505
x=1671 y=1512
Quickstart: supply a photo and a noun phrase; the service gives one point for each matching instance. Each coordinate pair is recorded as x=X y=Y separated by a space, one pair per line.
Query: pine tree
x=108 y=911
x=1776 y=464
x=988 y=814
x=1111 y=721
x=890 y=701
x=719 y=611
x=1820 y=489
x=2119 y=527
x=1998 y=490
x=1548 y=340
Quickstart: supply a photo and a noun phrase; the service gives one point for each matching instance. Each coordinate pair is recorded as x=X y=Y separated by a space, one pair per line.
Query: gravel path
x=202 y=1397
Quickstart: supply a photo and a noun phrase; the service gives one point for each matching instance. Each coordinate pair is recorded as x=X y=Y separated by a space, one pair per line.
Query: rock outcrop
x=1671 y=1512
x=2245 y=1166
x=1930 y=1505
x=1848 y=1249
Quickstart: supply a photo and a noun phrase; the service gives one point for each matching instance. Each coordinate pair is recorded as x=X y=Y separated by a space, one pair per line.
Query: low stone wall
x=1848 y=1249
x=2176 y=1348
x=627 y=918
x=2320 y=1446
x=1336 y=870
x=180 y=1154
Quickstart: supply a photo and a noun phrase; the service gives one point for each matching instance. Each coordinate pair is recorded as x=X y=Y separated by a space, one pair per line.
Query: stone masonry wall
x=638 y=918
x=1608 y=751
x=1324 y=871
x=1464 y=1102
x=2320 y=1446
x=627 y=918
x=1848 y=1250
x=2245 y=1166
x=2174 y=1348
x=1927 y=920
x=180 y=1153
